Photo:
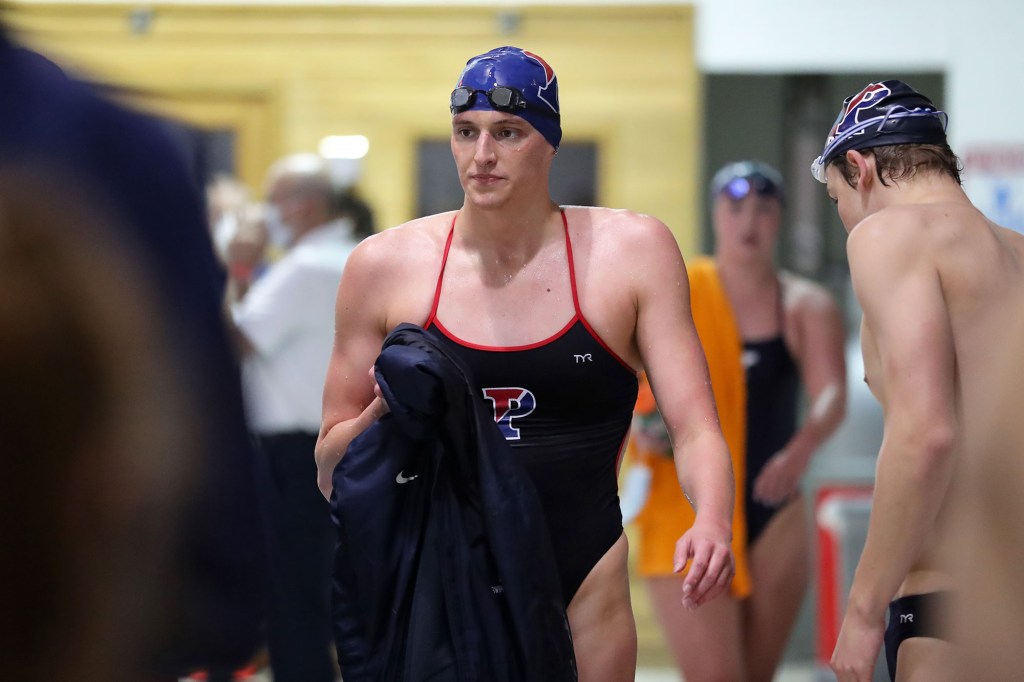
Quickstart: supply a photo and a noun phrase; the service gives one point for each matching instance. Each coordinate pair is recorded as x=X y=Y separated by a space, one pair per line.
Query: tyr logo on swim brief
x=510 y=403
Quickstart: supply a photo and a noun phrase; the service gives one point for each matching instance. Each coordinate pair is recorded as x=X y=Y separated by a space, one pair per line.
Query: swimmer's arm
x=350 y=404
x=904 y=307
x=821 y=360
x=677 y=369
x=822 y=364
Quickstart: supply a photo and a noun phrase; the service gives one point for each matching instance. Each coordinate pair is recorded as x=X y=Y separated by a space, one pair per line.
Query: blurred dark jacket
x=62 y=129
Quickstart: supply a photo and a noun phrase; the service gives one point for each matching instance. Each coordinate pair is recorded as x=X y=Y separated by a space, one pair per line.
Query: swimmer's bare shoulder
x=804 y=295
x=628 y=268
x=618 y=236
x=894 y=238
x=395 y=271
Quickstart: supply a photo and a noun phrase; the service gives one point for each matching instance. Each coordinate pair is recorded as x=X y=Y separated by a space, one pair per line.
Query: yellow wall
x=285 y=76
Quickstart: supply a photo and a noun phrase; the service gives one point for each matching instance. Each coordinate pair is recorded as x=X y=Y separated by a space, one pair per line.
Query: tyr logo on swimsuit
x=510 y=403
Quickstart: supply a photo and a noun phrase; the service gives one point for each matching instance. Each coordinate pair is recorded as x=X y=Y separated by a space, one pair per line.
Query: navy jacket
x=444 y=569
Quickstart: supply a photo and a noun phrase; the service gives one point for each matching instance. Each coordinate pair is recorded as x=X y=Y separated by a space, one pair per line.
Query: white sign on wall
x=994 y=180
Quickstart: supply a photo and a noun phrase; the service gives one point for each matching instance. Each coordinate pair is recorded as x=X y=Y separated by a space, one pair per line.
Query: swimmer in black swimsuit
x=556 y=310
x=792 y=338
x=570 y=428
x=773 y=394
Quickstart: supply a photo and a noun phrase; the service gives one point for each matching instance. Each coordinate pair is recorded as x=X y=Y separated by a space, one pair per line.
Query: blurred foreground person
x=123 y=163
x=942 y=290
x=95 y=439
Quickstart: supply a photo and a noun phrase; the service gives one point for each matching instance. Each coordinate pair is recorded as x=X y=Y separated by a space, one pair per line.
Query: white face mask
x=279 y=233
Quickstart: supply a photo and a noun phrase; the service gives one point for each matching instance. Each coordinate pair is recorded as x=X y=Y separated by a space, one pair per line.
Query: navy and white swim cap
x=513 y=80
x=889 y=112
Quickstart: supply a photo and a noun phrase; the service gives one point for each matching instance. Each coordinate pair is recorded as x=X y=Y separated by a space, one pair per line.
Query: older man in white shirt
x=285 y=323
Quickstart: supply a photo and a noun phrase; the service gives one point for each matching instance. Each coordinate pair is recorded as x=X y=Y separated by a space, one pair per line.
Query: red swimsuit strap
x=440 y=276
x=576 y=301
x=572 y=268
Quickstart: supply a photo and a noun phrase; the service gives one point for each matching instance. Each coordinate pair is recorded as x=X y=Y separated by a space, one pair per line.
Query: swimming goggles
x=502 y=98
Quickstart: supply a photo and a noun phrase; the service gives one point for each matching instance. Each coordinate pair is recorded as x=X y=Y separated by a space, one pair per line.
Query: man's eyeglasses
x=502 y=98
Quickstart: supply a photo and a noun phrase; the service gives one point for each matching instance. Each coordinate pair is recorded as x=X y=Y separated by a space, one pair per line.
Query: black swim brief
x=915 y=615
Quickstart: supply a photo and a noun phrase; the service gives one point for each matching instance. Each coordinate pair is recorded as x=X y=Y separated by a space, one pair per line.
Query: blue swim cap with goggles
x=889 y=112
x=514 y=81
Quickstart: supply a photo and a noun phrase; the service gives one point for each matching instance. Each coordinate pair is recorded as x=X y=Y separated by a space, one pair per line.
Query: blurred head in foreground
x=91 y=423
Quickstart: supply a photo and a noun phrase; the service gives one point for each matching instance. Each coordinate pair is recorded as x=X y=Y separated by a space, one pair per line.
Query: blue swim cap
x=524 y=72
x=889 y=112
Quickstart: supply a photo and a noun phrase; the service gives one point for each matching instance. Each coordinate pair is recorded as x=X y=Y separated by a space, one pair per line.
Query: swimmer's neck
x=508 y=233
x=747 y=276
